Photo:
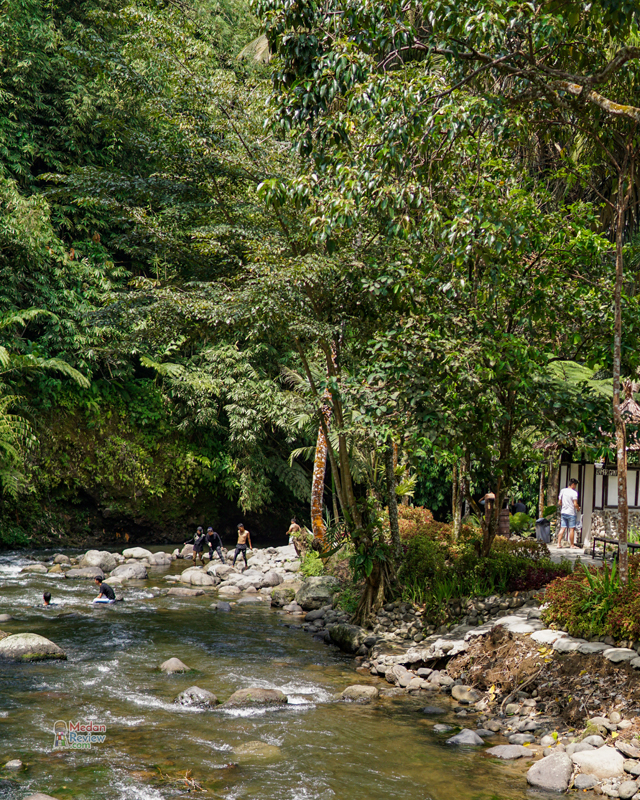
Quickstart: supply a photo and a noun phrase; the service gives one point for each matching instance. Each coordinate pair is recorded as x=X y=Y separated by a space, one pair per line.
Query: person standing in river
x=213 y=540
x=243 y=537
x=198 y=544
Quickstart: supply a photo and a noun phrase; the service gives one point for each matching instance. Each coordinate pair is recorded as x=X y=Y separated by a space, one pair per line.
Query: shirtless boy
x=243 y=537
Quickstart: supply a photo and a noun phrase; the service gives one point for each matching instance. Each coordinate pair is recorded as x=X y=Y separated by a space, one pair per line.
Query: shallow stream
x=325 y=749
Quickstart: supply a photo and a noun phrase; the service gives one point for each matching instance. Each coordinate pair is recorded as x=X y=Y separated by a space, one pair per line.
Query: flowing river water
x=321 y=749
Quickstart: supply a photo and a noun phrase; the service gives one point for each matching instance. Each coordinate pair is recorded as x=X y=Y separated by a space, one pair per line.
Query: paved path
x=558 y=553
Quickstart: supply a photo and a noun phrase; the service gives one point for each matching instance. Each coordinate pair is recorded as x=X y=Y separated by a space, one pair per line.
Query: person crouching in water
x=213 y=540
x=106 y=592
x=243 y=537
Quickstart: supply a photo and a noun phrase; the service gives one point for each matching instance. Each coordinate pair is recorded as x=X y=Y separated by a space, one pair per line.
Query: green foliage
x=520 y=523
x=436 y=570
x=312 y=565
x=347 y=599
x=593 y=602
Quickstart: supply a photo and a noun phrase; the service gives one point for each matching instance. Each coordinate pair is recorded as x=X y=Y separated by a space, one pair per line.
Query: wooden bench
x=608 y=540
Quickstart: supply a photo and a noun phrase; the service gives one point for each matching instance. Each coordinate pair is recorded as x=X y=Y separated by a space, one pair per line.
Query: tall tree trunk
x=392 y=501
x=319 y=470
x=553 y=485
x=541 y=493
x=621 y=443
x=456 y=501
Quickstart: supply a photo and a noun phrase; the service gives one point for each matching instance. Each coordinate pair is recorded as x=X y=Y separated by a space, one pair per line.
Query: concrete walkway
x=573 y=554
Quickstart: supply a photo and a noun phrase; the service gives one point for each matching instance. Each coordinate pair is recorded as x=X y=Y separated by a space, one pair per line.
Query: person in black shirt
x=198 y=544
x=213 y=540
x=106 y=592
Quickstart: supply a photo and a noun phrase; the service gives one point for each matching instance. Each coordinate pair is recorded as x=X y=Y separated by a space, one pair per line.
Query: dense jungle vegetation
x=397 y=258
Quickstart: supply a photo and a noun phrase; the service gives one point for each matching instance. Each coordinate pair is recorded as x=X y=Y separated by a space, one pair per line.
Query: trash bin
x=543 y=530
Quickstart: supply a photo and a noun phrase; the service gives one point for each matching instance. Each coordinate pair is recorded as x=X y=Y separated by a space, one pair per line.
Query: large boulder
x=551 y=774
x=174 y=665
x=220 y=570
x=348 y=637
x=60 y=558
x=130 y=572
x=160 y=559
x=466 y=737
x=283 y=594
x=187 y=551
x=271 y=578
x=29 y=647
x=89 y=573
x=40 y=796
x=137 y=552
x=38 y=569
x=317 y=592
x=255 y=696
x=196 y=697
x=197 y=577
x=605 y=762
x=183 y=591
x=360 y=693
x=99 y=558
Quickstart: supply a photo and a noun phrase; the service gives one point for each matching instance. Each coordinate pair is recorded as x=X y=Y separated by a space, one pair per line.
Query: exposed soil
x=572 y=686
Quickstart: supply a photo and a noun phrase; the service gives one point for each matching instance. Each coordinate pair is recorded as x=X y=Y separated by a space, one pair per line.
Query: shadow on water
x=319 y=749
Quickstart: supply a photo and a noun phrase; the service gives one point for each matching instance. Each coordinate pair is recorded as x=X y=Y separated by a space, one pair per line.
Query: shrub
x=312 y=565
x=417 y=521
x=593 y=603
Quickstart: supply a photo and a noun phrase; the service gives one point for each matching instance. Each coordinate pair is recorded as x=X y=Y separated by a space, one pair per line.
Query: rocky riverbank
x=564 y=708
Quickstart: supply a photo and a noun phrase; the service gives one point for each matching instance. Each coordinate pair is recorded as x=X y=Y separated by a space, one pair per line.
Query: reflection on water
x=324 y=749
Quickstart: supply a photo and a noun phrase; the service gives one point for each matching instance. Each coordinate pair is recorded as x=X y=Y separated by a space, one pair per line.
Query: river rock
x=38 y=569
x=197 y=577
x=60 y=558
x=159 y=559
x=172 y=666
x=40 y=796
x=442 y=728
x=619 y=654
x=229 y=591
x=5 y=617
x=137 y=552
x=99 y=558
x=222 y=571
x=13 y=764
x=605 y=762
x=194 y=696
x=29 y=647
x=256 y=750
x=187 y=551
x=627 y=789
x=521 y=738
x=317 y=592
x=255 y=695
x=130 y=572
x=465 y=694
x=56 y=569
x=433 y=710
x=360 y=694
x=552 y=774
x=222 y=606
x=347 y=637
x=583 y=781
x=627 y=749
x=271 y=578
x=182 y=591
x=465 y=737
x=508 y=752
x=89 y=573
x=283 y=594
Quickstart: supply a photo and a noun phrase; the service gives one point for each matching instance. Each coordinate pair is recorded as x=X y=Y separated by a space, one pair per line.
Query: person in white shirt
x=569 y=509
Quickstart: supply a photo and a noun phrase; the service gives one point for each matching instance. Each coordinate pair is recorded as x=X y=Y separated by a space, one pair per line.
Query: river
x=325 y=749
